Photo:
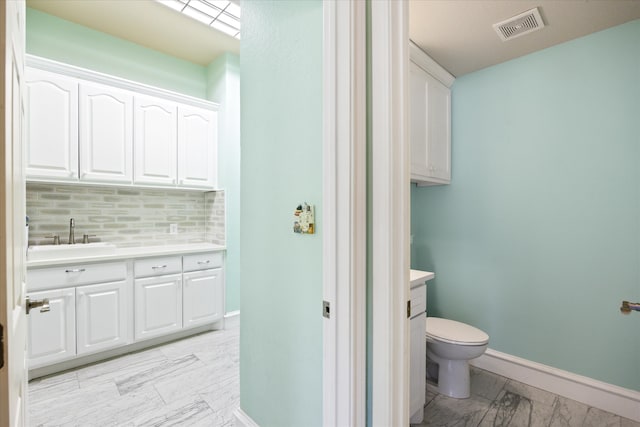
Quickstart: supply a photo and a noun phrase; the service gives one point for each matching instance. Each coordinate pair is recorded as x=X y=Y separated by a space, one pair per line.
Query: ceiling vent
x=519 y=25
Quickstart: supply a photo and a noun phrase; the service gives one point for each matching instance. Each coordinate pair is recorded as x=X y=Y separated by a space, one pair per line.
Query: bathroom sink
x=46 y=252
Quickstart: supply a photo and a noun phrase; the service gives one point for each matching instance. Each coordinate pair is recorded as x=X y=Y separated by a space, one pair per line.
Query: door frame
x=390 y=212
x=345 y=213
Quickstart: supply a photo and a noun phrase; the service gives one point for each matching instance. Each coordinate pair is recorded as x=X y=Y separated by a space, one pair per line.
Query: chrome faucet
x=72 y=237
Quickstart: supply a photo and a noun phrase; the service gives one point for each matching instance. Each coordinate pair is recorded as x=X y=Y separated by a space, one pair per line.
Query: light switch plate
x=173 y=228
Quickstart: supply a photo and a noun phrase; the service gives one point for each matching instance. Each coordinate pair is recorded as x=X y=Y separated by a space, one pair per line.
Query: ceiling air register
x=519 y=25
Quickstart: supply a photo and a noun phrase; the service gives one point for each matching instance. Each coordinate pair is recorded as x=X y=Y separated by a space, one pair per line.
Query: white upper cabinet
x=52 y=126
x=430 y=120
x=155 y=141
x=197 y=147
x=106 y=134
x=88 y=127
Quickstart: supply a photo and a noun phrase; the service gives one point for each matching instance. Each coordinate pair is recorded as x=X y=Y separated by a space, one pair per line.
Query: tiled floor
x=191 y=382
x=499 y=402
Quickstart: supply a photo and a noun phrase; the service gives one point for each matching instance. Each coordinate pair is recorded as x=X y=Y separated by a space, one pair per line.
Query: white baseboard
x=601 y=395
x=232 y=319
x=243 y=420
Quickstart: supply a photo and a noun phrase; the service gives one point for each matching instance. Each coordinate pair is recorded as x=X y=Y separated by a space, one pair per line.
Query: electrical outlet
x=173 y=228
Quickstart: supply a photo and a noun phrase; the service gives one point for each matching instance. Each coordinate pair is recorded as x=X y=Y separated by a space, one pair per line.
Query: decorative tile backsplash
x=128 y=217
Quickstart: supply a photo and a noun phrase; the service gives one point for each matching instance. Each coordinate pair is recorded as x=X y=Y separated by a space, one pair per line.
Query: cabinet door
x=418 y=368
x=203 y=297
x=103 y=316
x=52 y=335
x=430 y=128
x=155 y=141
x=158 y=306
x=197 y=147
x=52 y=126
x=106 y=134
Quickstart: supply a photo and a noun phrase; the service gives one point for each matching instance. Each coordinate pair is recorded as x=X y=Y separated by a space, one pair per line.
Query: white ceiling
x=458 y=34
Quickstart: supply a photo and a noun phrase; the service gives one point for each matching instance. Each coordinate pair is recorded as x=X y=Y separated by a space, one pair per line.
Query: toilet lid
x=455 y=332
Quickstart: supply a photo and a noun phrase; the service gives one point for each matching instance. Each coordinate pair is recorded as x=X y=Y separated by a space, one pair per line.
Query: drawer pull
x=75 y=270
x=204 y=262
x=156 y=267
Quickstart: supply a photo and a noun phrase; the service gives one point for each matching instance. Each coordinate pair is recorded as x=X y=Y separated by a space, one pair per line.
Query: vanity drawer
x=203 y=261
x=158 y=266
x=75 y=274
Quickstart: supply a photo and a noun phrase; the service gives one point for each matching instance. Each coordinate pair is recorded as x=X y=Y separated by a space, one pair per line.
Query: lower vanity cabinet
x=52 y=334
x=203 y=294
x=103 y=316
x=158 y=298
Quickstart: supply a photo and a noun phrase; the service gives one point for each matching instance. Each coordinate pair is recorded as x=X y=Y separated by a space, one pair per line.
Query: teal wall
x=54 y=38
x=223 y=77
x=281 y=288
x=60 y=40
x=537 y=239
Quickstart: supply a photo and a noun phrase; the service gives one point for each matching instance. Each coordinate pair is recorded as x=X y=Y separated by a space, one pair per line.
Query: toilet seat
x=450 y=331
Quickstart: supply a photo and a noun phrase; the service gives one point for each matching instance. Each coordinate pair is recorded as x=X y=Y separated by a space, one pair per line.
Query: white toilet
x=451 y=345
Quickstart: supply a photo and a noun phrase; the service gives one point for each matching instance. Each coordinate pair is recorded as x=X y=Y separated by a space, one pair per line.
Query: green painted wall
x=223 y=77
x=54 y=38
x=281 y=288
x=537 y=239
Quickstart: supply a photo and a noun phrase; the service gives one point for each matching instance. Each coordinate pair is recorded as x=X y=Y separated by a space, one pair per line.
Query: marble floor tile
x=599 y=418
x=515 y=405
x=486 y=384
x=514 y=410
x=448 y=412
x=170 y=368
x=184 y=412
x=190 y=382
x=568 y=413
x=128 y=364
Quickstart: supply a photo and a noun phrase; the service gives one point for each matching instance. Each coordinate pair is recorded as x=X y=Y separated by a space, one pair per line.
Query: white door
x=12 y=219
x=52 y=334
x=158 y=306
x=103 y=316
x=197 y=147
x=52 y=126
x=106 y=134
x=203 y=297
x=156 y=141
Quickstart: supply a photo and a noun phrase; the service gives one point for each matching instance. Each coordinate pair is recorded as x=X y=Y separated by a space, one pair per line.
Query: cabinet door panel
x=418 y=120
x=52 y=335
x=103 y=316
x=439 y=156
x=418 y=368
x=106 y=134
x=52 y=126
x=197 y=147
x=158 y=306
x=155 y=141
x=203 y=297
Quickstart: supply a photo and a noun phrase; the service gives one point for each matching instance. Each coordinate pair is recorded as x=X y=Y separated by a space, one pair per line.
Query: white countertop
x=129 y=253
x=417 y=277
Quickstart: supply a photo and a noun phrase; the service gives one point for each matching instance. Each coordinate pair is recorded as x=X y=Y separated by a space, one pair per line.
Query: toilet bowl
x=451 y=345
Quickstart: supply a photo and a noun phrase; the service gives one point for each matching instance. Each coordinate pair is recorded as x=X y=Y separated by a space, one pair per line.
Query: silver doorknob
x=43 y=303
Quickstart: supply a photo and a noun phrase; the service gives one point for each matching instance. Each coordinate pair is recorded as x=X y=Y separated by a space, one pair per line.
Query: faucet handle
x=55 y=237
x=85 y=237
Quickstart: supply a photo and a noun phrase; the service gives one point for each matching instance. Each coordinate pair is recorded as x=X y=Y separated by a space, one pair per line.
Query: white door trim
x=344 y=213
x=390 y=212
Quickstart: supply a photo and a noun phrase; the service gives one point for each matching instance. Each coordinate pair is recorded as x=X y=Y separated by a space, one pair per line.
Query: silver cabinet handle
x=155 y=267
x=204 y=262
x=75 y=270
x=43 y=303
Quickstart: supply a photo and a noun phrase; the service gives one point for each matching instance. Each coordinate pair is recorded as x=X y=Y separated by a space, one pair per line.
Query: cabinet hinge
x=409 y=309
